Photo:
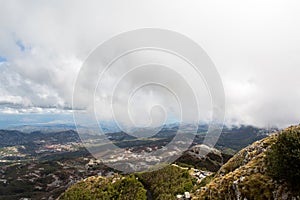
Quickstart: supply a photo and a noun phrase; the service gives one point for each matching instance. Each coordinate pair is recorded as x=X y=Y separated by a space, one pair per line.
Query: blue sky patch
x=20 y=45
x=3 y=59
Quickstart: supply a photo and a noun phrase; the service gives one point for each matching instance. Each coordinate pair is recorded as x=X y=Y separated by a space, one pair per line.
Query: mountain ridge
x=244 y=176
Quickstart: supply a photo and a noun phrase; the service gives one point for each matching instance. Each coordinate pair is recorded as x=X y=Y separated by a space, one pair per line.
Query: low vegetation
x=106 y=188
x=162 y=184
x=283 y=159
x=167 y=182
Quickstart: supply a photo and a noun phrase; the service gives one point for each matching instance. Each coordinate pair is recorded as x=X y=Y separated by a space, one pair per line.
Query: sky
x=255 y=46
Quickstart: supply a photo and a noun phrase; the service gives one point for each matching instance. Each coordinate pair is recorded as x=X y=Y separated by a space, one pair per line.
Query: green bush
x=101 y=188
x=283 y=159
x=167 y=182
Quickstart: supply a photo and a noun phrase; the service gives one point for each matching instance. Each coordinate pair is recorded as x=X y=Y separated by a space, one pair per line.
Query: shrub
x=167 y=182
x=102 y=188
x=283 y=159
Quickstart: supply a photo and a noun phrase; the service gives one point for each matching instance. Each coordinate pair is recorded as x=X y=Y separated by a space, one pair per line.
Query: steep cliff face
x=244 y=176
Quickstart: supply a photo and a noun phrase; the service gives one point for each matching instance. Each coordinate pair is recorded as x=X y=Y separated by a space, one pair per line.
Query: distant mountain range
x=14 y=137
x=231 y=139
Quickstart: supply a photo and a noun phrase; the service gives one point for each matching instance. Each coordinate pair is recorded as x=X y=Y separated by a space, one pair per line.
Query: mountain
x=236 y=137
x=14 y=137
x=162 y=184
x=204 y=157
x=247 y=174
x=22 y=153
x=43 y=128
x=165 y=183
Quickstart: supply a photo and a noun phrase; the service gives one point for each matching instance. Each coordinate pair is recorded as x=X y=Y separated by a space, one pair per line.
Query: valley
x=43 y=164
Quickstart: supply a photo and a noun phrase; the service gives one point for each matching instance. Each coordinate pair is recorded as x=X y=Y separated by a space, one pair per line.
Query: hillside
x=26 y=157
x=203 y=157
x=106 y=188
x=163 y=184
x=245 y=175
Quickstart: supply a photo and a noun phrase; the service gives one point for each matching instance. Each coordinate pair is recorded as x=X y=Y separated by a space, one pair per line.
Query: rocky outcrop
x=204 y=157
x=244 y=176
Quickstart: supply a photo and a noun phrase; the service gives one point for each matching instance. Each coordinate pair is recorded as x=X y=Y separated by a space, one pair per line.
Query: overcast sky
x=255 y=46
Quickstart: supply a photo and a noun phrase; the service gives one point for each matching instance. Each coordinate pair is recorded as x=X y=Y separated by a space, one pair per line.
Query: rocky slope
x=203 y=157
x=244 y=176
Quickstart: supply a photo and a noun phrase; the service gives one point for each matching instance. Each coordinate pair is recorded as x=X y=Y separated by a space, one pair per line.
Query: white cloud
x=254 y=44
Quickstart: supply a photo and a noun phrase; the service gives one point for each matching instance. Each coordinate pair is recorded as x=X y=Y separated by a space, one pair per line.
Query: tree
x=283 y=159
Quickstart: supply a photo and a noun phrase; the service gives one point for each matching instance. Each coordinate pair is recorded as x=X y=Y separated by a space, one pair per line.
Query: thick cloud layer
x=255 y=45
